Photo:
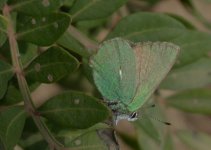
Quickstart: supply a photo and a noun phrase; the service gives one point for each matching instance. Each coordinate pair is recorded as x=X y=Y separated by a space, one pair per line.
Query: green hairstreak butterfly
x=128 y=73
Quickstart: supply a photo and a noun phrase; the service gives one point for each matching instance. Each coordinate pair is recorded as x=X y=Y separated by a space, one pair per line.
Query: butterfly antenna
x=148 y=106
x=159 y=120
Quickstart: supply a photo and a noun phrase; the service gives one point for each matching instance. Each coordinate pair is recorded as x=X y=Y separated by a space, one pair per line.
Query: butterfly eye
x=133 y=115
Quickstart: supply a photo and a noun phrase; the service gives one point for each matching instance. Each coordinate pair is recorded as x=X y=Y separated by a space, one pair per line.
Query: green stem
x=90 y=45
x=29 y=106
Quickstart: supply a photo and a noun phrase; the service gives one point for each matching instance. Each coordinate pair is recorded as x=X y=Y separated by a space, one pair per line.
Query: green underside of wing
x=114 y=70
x=155 y=61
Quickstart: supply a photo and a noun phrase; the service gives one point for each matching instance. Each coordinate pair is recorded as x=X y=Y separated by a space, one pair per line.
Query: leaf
x=145 y=142
x=51 y=65
x=74 y=110
x=183 y=20
x=12 y=123
x=194 y=45
x=151 y=27
x=6 y=73
x=27 y=52
x=68 y=3
x=70 y=43
x=148 y=128
x=195 y=101
x=3 y=30
x=147 y=27
x=94 y=9
x=12 y=96
x=91 y=24
x=42 y=30
x=35 y=7
x=3 y=24
x=2 y=3
x=168 y=143
x=195 y=140
x=195 y=75
x=87 y=139
x=132 y=142
x=33 y=142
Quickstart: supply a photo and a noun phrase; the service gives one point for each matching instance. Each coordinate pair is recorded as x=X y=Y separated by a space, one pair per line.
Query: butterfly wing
x=153 y=62
x=114 y=70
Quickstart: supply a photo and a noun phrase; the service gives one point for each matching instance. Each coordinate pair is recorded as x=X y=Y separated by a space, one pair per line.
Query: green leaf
x=12 y=123
x=91 y=24
x=35 y=7
x=183 y=20
x=6 y=73
x=3 y=24
x=68 y=3
x=74 y=110
x=195 y=140
x=2 y=3
x=149 y=128
x=88 y=141
x=12 y=96
x=51 y=65
x=151 y=27
x=70 y=43
x=194 y=45
x=131 y=141
x=145 y=142
x=34 y=142
x=3 y=30
x=195 y=75
x=94 y=9
x=168 y=143
x=27 y=52
x=42 y=30
x=147 y=27
x=195 y=101
x=84 y=139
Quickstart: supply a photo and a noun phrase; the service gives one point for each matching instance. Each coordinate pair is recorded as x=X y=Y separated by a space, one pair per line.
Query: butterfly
x=127 y=73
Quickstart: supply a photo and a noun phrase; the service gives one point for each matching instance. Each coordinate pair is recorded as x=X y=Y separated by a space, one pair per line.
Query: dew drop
x=46 y=3
x=33 y=21
x=56 y=25
x=43 y=19
x=77 y=142
x=37 y=67
x=50 y=78
x=77 y=101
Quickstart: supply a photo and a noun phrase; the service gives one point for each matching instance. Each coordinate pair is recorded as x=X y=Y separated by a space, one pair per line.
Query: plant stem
x=90 y=45
x=29 y=106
